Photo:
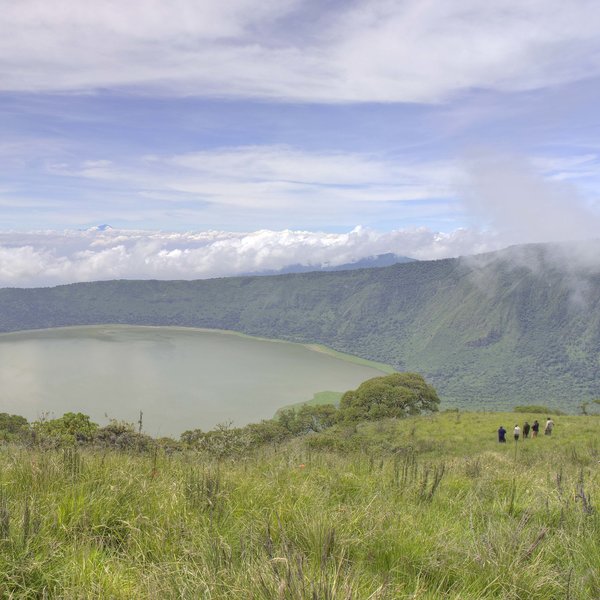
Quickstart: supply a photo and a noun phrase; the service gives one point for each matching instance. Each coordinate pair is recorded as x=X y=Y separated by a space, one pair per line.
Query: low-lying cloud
x=52 y=258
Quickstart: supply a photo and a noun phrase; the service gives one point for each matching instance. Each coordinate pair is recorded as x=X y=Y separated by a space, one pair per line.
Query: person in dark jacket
x=535 y=428
x=526 y=428
x=502 y=434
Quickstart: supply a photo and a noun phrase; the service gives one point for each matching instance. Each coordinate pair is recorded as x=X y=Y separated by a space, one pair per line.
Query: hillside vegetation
x=427 y=507
x=520 y=326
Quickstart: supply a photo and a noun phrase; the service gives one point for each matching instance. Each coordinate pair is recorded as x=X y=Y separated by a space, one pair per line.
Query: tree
x=396 y=395
x=13 y=427
x=12 y=423
x=70 y=427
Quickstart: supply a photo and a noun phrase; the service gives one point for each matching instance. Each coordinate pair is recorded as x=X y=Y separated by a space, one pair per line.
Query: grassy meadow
x=427 y=507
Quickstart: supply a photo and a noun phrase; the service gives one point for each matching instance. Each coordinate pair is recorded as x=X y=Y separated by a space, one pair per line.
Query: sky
x=217 y=138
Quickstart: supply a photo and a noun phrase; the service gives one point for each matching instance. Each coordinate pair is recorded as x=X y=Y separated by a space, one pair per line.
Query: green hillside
x=521 y=326
x=428 y=507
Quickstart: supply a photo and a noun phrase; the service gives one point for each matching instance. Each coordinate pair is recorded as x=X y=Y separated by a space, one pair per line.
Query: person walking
x=549 y=426
x=517 y=433
x=502 y=435
x=535 y=428
x=526 y=429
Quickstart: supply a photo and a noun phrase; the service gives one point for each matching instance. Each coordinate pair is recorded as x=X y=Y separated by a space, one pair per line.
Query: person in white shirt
x=517 y=433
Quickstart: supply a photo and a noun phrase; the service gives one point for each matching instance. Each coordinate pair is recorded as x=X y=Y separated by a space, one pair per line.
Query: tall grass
x=430 y=507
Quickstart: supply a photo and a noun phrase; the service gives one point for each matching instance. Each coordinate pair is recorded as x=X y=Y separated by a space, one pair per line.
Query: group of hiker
x=527 y=429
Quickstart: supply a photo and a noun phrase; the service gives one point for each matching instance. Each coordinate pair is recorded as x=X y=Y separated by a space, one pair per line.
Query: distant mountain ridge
x=380 y=260
x=520 y=326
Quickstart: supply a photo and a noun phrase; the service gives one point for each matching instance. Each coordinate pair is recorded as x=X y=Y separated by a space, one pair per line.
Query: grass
x=429 y=507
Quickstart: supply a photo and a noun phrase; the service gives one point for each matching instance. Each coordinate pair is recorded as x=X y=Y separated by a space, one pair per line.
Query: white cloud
x=547 y=198
x=373 y=50
x=51 y=258
x=281 y=179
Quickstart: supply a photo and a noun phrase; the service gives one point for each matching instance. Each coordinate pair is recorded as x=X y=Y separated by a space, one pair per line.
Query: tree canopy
x=395 y=395
x=71 y=426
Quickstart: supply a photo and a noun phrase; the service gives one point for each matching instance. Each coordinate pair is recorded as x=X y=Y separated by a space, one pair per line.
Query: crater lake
x=181 y=378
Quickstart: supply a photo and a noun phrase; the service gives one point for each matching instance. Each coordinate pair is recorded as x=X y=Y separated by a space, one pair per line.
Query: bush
x=267 y=432
x=123 y=436
x=308 y=418
x=224 y=441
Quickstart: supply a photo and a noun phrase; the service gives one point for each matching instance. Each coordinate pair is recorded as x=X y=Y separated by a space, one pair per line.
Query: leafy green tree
x=71 y=427
x=12 y=423
x=396 y=395
x=13 y=427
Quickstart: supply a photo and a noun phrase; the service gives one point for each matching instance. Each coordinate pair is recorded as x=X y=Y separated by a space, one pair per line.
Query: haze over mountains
x=516 y=326
x=381 y=260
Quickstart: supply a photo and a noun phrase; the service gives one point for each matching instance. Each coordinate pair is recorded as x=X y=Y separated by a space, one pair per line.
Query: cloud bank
x=52 y=258
x=292 y=50
x=509 y=201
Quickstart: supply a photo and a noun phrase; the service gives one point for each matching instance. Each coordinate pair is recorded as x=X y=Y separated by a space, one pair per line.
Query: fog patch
x=509 y=196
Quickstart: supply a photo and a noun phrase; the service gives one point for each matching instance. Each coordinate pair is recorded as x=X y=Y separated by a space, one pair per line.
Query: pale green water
x=180 y=378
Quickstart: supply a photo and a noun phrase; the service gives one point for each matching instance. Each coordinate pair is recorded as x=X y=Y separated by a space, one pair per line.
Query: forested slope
x=517 y=326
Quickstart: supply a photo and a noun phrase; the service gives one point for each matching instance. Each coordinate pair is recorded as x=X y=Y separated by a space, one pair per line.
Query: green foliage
x=224 y=441
x=398 y=395
x=408 y=508
x=267 y=432
x=307 y=418
x=12 y=423
x=227 y=441
x=71 y=427
x=121 y=435
x=13 y=427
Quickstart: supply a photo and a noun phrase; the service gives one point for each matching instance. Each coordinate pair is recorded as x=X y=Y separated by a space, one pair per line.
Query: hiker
x=535 y=428
x=502 y=435
x=526 y=428
x=549 y=426
x=517 y=433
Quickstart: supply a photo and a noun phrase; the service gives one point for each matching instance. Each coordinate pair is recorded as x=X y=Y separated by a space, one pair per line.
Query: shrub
x=224 y=441
x=123 y=436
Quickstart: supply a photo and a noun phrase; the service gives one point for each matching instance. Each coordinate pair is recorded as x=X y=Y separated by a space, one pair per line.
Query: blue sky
x=219 y=137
